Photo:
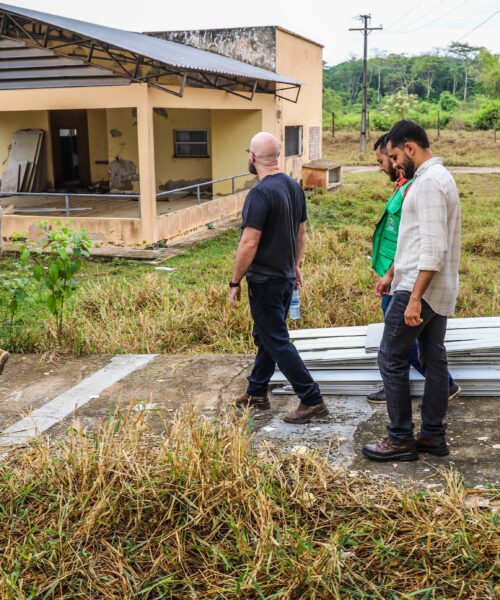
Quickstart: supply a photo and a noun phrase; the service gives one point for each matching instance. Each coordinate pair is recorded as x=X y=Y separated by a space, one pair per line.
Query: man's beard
x=251 y=168
x=409 y=167
x=393 y=173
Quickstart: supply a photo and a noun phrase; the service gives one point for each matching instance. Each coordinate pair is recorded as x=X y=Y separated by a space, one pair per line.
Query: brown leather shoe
x=4 y=357
x=305 y=413
x=258 y=402
x=435 y=447
x=385 y=450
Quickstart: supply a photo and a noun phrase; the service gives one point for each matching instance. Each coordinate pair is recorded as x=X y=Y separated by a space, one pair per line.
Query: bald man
x=270 y=254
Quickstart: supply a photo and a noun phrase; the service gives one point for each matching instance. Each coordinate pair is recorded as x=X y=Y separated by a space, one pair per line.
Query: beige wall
x=231 y=134
x=98 y=144
x=302 y=60
x=170 y=170
x=10 y=122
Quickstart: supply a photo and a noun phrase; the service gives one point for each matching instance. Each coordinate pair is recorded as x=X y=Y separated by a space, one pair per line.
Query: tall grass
x=193 y=510
x=458 y=148
x=133 y=308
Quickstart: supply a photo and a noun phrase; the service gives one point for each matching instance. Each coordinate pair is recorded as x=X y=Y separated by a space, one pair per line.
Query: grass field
x=130 y=307
x=197 y=512
x=458 y=148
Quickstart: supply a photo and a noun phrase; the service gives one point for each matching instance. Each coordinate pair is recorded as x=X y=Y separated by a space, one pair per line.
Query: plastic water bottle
x=295 y=305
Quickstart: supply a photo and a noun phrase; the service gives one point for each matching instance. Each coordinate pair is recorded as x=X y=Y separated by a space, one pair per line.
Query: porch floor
x=95 y=207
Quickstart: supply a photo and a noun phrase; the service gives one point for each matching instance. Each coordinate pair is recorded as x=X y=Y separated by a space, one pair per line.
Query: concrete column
x=147 y=177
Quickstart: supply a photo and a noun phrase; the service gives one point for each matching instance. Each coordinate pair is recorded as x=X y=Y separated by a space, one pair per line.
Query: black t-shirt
x=276 y=206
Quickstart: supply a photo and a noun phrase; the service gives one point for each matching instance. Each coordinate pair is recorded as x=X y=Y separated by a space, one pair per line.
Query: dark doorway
x=70 y=147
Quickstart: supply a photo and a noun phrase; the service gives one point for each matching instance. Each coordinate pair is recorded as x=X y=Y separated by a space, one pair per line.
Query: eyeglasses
x=248 y=151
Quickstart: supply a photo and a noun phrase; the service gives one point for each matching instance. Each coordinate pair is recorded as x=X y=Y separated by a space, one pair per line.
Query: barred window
x=191 y=142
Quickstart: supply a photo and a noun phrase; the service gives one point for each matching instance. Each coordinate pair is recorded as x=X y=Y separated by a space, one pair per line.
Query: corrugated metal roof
x=22 y=67
x=171 y=54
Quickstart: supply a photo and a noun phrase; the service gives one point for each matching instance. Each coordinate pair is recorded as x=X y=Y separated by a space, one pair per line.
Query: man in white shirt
x=424 y=284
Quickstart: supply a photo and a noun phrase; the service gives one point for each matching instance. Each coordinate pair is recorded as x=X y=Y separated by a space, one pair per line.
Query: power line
x=427 y=13
x=478 y=26
x=434 y=20
x=405 y=15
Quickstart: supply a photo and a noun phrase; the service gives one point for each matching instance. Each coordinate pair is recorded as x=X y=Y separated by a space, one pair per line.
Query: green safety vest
x=385 y=238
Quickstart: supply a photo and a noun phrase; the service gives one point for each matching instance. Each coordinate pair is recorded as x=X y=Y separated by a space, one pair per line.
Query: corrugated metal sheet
x=169 y=53
x=22 y=67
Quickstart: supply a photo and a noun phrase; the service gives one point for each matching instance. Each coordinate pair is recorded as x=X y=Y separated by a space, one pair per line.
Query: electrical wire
x=426 y=14
x=480 y=25
x=434 y=20
x=405 y=15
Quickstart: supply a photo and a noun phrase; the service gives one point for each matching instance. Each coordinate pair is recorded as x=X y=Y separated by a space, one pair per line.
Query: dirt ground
x=210 y=382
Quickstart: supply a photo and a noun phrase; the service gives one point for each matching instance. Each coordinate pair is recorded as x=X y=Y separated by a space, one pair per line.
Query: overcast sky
x=410 y=27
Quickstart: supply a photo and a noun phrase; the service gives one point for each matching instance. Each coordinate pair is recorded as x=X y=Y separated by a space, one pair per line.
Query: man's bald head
x=266 y=148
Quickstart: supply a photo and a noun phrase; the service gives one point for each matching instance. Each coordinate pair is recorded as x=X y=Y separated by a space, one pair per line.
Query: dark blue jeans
x=397 y=341
x=269 y=305
x=414 y=359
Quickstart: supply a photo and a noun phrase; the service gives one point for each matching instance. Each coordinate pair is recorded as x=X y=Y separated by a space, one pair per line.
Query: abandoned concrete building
x=130 y=134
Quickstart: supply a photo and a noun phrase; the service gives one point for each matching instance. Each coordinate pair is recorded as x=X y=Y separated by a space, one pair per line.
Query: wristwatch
x=232 y=284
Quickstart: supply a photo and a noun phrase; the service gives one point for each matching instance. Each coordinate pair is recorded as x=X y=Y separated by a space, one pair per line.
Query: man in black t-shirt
x=270 y=254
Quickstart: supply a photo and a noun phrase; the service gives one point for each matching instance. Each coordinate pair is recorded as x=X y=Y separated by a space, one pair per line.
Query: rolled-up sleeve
x=432 y=214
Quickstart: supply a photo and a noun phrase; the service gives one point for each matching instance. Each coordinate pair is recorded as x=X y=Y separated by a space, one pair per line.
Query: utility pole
x=366 y=31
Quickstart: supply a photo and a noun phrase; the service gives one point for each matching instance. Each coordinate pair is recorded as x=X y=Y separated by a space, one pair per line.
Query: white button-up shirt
x=429 y=236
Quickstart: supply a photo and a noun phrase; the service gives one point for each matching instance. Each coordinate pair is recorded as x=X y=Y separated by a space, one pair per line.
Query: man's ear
x=410 y=148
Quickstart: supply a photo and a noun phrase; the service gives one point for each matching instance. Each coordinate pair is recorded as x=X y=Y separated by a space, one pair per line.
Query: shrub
x=484 y=116
x=448 y=102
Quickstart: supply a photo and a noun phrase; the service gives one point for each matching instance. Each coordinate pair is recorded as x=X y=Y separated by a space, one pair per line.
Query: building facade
x=126 y=114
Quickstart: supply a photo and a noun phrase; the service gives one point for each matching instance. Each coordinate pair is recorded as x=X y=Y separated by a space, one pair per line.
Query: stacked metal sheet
x=343 y=360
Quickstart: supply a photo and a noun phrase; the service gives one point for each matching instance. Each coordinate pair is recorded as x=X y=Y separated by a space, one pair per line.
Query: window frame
x=300 y=144
x=207 y=142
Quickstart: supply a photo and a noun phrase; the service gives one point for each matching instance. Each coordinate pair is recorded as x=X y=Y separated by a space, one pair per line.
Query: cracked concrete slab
x=211 y=382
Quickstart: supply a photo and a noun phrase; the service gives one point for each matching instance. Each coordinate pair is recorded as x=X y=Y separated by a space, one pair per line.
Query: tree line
x=453 y=76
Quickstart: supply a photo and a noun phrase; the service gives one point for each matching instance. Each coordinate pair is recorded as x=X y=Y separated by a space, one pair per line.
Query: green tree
x=489 y=73
x=467 y=54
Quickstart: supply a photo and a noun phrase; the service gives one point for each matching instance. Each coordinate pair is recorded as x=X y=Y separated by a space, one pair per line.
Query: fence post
x=439 y=125
x=233 y=184
x=495 y=119
x=333 y=124
x=198 y=195
x=68 y=212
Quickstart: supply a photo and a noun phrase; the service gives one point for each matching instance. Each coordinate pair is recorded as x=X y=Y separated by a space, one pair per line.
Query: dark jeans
x=414 y=359
x=397 y=341
x=269 y=305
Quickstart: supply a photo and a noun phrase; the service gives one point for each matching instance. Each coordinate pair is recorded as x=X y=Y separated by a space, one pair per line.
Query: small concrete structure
x=321 y=174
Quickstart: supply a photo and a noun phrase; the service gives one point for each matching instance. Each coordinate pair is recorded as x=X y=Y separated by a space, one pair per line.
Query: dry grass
x=458 y=148
x=192 y=510
x=124 y=308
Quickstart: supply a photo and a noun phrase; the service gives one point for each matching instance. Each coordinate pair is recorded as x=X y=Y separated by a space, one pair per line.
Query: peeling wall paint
x=123 y=174
x=161 y=112
x=252 y=45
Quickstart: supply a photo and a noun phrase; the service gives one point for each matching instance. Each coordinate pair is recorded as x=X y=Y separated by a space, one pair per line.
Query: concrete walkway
x=41 y=395
x=464 y=170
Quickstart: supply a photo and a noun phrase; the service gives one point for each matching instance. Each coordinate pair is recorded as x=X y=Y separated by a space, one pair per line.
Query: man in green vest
x=385 y=241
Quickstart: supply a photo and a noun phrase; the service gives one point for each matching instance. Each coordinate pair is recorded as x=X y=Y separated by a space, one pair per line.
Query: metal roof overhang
x=135 y=57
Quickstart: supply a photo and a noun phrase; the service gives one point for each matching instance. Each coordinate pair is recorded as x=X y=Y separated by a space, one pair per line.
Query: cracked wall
x=252 y=45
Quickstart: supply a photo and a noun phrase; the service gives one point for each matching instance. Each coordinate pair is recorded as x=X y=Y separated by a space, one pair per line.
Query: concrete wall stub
x=252 y=45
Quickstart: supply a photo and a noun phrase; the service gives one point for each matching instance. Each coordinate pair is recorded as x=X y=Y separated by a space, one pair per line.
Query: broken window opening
x=293 y=140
